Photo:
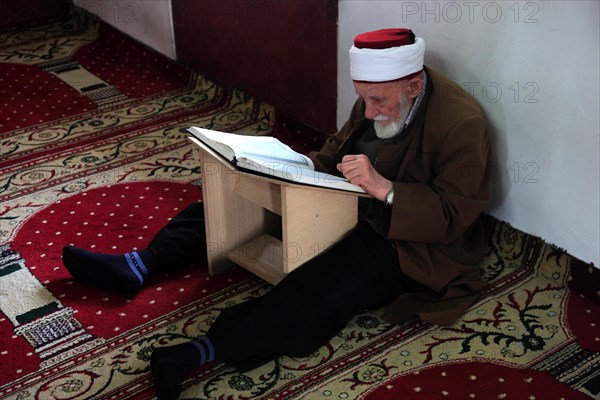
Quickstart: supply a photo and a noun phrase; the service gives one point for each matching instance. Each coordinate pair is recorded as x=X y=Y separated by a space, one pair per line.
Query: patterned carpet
x=94 y=153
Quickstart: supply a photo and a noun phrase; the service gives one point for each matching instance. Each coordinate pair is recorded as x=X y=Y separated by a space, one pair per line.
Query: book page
x=297 y=174
x=259 y=148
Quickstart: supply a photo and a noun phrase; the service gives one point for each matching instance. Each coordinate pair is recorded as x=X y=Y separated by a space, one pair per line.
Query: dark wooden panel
x=283 y=52
x=14 y=13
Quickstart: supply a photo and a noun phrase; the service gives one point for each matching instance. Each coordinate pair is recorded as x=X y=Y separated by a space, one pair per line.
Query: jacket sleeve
x=441 y=210
x=325 y=160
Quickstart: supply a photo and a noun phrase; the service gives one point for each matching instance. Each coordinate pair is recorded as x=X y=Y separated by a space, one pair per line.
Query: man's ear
x=413 y=87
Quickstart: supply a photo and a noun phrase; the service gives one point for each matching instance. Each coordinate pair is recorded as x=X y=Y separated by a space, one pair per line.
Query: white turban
x=372 y=61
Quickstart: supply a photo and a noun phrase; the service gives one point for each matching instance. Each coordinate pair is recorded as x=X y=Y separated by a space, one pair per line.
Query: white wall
x=148 y=21
x=534 y=68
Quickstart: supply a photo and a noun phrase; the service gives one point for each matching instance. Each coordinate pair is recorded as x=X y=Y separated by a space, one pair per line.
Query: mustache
x=381 y=117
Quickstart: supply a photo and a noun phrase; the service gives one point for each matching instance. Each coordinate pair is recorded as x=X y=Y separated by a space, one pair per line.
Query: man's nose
x=371 y=111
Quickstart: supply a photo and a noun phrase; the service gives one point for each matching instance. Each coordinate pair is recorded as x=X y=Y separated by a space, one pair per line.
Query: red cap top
x=384 y=38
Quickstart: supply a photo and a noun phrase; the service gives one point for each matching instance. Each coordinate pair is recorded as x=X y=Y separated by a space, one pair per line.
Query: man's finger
x=350 y=157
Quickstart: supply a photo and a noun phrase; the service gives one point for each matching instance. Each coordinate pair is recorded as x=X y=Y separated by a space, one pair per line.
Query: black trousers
x=306 y=309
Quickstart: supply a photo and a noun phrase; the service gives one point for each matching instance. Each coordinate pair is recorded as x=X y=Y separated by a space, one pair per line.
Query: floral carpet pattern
x=94 y=153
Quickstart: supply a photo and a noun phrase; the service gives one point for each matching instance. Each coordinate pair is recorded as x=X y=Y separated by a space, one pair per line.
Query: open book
x=268 y=156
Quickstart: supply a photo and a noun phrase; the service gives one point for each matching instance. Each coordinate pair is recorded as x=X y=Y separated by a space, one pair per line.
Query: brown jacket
x=442 y=182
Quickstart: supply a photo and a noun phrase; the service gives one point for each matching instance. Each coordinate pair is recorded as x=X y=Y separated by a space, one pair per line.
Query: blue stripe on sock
x=133 y=268
x=209 y=346
x=202 y=352
x=141 y=264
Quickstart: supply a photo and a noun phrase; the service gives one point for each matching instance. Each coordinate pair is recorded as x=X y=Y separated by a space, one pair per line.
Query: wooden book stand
x=266 y=225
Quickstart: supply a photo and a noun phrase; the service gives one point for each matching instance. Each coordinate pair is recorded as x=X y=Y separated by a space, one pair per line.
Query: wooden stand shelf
x=244 y=213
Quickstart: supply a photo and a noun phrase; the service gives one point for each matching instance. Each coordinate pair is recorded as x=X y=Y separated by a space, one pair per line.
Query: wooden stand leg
x=313 y=221
x=230 y=219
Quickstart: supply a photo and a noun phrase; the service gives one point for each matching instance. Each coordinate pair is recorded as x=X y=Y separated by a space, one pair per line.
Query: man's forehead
x=373 y=88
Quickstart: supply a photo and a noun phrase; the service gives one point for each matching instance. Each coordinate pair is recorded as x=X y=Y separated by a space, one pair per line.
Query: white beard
x=394 y=127
x=387 y=131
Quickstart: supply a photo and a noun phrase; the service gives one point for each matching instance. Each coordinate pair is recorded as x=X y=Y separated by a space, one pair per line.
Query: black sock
x=170 y=365
x=124 y=273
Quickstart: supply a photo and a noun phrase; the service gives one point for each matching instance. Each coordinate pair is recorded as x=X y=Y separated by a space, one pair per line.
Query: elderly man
x=418 y=145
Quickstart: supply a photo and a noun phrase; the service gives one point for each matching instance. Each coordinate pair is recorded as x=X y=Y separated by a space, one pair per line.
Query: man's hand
x=358 y=170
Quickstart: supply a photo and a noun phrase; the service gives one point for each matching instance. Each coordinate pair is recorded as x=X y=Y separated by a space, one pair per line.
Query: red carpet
x=94 y=153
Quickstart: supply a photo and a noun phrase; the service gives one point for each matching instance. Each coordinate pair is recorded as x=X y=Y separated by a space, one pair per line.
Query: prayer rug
x=94 y=153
